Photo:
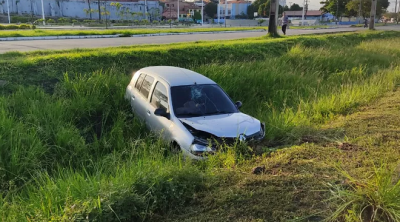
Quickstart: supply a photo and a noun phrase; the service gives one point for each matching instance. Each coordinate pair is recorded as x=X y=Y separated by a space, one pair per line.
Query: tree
x=120 y=13
x=196 y=16
x=295 y=7
x=381 y=7
x=335 y=7
x=263 y=9
x=90 y=10
x=211 y=9
x=250 y=11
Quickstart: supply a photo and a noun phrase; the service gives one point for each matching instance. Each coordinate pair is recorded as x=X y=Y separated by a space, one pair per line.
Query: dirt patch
x=349 y=147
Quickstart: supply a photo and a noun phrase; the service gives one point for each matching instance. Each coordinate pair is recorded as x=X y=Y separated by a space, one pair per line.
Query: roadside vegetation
x=122 y=32
x=19 y=27
x=71 y=149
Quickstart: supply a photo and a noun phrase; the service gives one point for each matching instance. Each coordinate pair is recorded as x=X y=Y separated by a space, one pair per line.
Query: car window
x=159 y=99
x=200 y=100
x=145 y=89
x=140 y=81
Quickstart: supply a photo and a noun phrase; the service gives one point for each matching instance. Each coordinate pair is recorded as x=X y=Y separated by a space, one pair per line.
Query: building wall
x=75 y=8
x=233 y=9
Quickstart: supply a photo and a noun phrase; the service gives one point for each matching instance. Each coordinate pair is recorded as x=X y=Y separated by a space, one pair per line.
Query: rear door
x=159 y=99
x=141 y=101
x=134 y=90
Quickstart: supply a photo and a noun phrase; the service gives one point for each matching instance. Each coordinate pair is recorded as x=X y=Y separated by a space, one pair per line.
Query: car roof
x=176 y=76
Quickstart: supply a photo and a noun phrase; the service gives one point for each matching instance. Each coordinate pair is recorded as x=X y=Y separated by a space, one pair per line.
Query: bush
x=63 y=20
x=51 y=21
x=20 y=19
x=12 y=27
x=87 y=21
x=25 y=26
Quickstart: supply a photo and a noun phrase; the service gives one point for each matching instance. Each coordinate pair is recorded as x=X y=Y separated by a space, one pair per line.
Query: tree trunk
x=373 y=15
x=90 y=10
x=273 y=10
x=98 y=1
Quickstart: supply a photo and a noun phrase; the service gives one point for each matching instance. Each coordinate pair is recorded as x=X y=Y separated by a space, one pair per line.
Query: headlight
x=200 y=150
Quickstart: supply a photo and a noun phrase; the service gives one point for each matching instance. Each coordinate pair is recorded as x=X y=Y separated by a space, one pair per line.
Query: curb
x=116 y=36
x=57 y=37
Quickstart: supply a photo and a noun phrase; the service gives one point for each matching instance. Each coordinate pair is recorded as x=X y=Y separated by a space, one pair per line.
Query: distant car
x=189 y=110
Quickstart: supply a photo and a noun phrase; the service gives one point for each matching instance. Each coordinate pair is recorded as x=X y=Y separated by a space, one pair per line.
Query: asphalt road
x=32 y=45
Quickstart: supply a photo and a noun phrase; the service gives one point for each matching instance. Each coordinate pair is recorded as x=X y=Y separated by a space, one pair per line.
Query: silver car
x=189 y=110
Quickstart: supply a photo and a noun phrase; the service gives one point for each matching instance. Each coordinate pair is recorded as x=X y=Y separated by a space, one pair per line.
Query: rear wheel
x=175 y=148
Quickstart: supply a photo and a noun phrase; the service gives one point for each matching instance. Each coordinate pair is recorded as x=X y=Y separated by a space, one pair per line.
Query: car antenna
x=195 y=83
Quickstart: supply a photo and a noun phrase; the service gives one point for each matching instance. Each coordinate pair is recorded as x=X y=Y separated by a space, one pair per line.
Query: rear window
x=139 y=81
x=146 y=85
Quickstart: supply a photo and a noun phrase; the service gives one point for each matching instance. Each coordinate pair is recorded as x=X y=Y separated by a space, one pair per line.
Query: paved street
x=7 y=46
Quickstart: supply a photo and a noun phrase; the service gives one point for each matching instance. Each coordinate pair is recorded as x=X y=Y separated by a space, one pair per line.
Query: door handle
x=148 y=112
x=133 y=97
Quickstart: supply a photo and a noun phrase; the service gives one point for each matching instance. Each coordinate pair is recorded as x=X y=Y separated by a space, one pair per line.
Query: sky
x=315 y=4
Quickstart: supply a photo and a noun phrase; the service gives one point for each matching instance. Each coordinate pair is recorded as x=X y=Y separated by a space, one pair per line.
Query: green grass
x=71 y=149
x=123 y=32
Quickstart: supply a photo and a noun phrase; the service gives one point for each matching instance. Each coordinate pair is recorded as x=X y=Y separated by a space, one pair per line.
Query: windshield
x=200 y=100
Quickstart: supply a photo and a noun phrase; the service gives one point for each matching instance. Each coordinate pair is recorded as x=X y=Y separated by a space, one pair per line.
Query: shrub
x=51 y=21
x=25 y=26
x=63 y=20
x=20 y=19
x=11 y=27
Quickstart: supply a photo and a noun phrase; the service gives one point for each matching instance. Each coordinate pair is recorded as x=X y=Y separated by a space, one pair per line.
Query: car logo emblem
x=242 y=137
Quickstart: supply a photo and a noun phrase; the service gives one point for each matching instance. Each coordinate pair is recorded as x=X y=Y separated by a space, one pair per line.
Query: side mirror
x=161 y=112
x=238 y=104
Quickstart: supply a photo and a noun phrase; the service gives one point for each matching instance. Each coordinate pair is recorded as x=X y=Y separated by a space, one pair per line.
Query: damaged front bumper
x=203 y=147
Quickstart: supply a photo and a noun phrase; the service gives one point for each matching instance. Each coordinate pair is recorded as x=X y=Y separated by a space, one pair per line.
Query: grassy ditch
x=47 y=67
x=71 y=149
x=123 y=32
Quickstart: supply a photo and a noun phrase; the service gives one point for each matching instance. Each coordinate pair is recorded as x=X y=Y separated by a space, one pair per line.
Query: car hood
x=225 y=125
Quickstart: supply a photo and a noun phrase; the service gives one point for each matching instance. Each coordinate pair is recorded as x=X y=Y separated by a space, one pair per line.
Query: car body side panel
x=159 y=124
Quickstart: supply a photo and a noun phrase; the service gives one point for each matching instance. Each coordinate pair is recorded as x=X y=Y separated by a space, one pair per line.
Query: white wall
x=74 y=8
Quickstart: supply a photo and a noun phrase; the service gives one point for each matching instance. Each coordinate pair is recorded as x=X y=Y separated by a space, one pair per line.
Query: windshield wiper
x=218 y=112
x=189 y=114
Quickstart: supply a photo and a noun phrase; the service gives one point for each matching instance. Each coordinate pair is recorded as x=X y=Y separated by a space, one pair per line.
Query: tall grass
x=78 y=152
x=376 y=198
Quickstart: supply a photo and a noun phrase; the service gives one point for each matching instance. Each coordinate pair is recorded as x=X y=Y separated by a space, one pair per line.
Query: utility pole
x=226 y=11
x=305 y=14
x=337 y=11
x=44 y=19
x=8 y=12
x=373 y=15
x=273 y=11
x=219 y=10
x=202 y=13
x=145 y=9
x=395 y=10
x=397 y=15
x=359 y=13
x=105 y=11
x=178 y=11
x=302 y=16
